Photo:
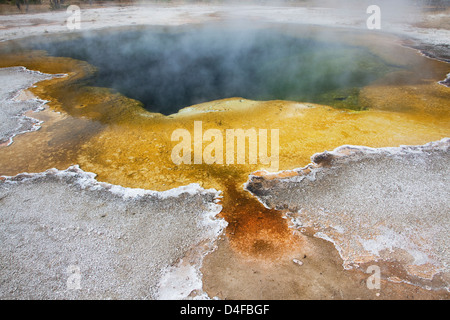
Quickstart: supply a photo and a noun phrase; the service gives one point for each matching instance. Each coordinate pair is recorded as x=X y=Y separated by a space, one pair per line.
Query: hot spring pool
x=170 y=68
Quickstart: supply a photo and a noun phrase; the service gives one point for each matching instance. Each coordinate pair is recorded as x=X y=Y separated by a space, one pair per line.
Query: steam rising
x=174 y=67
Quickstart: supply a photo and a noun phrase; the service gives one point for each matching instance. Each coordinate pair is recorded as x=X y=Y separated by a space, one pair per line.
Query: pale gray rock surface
x=64 y=235
x=391 y=204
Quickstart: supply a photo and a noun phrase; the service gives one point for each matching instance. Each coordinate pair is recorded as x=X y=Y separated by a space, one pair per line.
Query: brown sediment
x=114 y=137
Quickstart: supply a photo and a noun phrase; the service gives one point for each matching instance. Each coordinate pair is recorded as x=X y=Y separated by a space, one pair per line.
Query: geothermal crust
x=62 y=231
x=388 y=204
x=12 y=119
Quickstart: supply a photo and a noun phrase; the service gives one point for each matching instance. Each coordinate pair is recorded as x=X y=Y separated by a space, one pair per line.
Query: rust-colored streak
x=253 y=230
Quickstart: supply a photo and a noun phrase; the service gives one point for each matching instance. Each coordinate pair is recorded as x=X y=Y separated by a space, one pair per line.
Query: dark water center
x=173 y=67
